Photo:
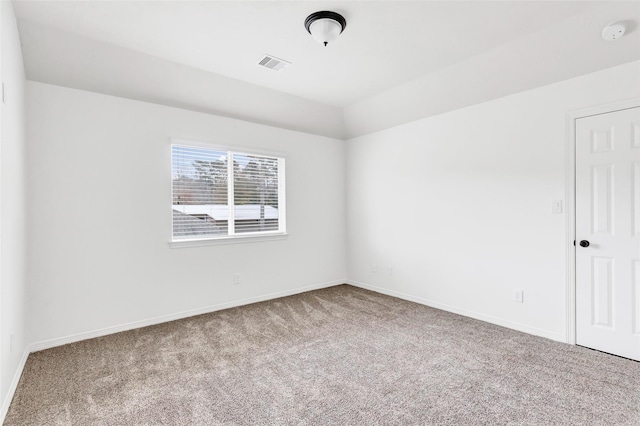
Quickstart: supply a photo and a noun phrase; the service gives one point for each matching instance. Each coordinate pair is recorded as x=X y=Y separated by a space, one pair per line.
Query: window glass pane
x=200 y=200
x=199 y=181
x=255 y=193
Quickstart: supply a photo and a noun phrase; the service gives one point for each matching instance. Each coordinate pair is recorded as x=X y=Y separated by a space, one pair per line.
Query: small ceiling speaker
x=614 y=31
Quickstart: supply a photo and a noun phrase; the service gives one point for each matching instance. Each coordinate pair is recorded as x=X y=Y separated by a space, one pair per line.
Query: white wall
x=99 y=169
x=12 y=209
x=460 y=204
x=524 y=63
x=70 y=60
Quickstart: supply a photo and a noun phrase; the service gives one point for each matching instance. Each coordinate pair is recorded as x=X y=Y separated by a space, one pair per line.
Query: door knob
x=584 y=243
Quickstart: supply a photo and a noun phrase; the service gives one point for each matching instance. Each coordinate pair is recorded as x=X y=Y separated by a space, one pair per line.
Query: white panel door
x=608 y=232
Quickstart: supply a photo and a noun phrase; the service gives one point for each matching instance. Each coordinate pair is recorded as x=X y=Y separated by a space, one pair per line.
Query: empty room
x=320 y=212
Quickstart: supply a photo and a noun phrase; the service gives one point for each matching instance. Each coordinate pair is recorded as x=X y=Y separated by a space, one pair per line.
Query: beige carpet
x=339 y=356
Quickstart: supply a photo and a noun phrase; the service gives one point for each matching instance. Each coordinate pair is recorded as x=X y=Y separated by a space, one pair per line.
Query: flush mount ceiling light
x=325 y=26
x=614 y=31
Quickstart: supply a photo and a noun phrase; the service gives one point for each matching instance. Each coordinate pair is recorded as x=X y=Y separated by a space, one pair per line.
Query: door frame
x=570 y=196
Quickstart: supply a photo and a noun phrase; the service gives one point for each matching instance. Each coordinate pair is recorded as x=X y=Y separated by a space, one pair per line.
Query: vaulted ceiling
x=202 y=54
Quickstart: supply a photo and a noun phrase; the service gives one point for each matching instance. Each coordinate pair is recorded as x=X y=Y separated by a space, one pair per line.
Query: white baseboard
x=47 y=344
x=14 y=385
x=482 y=317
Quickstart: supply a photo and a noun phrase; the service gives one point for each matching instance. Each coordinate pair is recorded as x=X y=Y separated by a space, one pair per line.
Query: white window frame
x=232 y=237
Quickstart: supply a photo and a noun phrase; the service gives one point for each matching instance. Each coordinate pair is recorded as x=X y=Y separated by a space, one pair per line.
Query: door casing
x=570 y=196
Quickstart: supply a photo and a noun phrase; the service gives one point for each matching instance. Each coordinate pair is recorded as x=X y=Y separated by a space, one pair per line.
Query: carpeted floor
x=338 y=356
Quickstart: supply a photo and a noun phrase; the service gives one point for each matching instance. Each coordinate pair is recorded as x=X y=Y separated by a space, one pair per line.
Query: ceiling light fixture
x=325 y=26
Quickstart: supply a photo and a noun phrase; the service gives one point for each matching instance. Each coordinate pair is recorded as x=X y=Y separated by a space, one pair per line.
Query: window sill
x=227 y=240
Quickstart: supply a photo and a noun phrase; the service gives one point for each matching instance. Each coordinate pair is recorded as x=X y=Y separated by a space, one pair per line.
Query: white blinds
x=202 y=180
x=255 y=193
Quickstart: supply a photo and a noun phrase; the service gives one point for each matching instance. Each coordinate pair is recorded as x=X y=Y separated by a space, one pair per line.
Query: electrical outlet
x=236 y=278
x=518 y=296
x=556 y=206
x=389 y=270
x=374 y=268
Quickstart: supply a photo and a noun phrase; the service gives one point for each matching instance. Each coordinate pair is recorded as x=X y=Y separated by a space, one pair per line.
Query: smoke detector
x=273 y=63
x=613 y=31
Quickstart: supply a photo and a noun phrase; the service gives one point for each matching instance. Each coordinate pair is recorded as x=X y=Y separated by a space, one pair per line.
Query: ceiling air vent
x=273 y=63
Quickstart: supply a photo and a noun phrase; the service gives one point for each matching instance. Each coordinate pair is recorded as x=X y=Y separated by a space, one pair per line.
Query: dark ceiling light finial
x=325 y=26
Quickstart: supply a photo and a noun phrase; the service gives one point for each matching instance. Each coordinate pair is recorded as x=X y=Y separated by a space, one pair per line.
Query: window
x=204 y=178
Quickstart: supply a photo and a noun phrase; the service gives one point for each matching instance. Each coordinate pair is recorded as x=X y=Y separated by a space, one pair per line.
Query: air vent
x=273 y=63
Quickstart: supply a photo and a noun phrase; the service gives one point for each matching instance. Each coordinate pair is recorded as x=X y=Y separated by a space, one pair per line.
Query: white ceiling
x=386 y=43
